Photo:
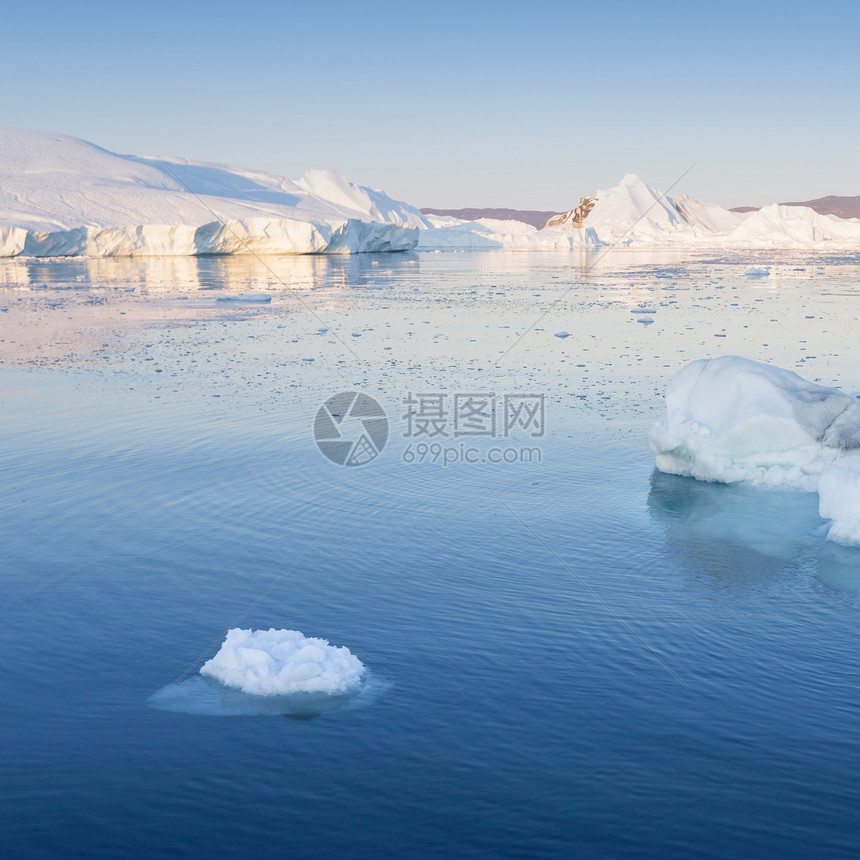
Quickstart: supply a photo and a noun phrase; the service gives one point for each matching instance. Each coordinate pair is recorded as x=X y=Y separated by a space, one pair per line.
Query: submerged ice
x=730 y=419
x=283 y=662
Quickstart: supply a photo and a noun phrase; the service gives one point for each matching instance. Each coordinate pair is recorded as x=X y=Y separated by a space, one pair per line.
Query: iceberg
x=633 y=214
x=730 y=419
x=61 y=196
x=839 y=501
x=282 y=663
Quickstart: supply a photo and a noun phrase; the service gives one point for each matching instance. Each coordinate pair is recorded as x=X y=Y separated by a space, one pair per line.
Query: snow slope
x=60 y=195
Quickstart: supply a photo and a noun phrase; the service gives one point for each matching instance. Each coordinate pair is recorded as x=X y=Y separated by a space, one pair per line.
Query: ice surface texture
x=730 y=419
x=283 y=662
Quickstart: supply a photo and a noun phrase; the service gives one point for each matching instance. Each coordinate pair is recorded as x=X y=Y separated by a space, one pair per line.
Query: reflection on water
x=154 y=275
x=205 y=697
x=732 y=534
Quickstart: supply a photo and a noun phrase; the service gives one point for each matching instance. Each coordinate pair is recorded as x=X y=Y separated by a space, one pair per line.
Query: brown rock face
x=574 y=217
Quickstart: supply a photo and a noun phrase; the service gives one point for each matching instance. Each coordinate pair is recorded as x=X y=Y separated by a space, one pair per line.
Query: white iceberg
x=839 y=501
x=63 y=196
x=636 y=215
x=730 y=419
x=282 y=663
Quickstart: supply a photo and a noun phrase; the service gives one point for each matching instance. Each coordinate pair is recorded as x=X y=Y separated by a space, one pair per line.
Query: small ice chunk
x=643 y=311
x=562 y=334
x=757 y=272
x=839 y=501
x=256 y=298
x=283 y=662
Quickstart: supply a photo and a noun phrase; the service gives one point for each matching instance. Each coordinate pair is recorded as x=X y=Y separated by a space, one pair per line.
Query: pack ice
x=283 y=662
x=729 y=419
x=63 y=196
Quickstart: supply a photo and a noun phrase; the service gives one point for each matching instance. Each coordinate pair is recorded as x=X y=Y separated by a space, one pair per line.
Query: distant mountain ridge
x=841 y=207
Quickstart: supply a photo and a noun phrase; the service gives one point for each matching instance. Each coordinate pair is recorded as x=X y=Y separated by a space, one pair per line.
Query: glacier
x=730 y=419
x=282 y=663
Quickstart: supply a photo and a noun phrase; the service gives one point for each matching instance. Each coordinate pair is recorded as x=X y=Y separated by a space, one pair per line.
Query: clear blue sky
x=528 y=105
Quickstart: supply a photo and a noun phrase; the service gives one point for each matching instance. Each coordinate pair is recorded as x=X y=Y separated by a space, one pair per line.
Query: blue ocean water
x=577 y=656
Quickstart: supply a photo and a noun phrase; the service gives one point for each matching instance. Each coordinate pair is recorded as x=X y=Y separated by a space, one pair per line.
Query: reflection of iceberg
x=198 y=695
x=732 y=534
x=727 y=531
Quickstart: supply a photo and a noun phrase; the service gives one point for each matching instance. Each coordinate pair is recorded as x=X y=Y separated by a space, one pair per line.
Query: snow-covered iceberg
x=634 y=214
x=282 y=663
x=729 y=419
x=63 y=196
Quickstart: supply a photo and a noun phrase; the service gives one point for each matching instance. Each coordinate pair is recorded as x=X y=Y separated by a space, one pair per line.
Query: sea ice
x=283 y=662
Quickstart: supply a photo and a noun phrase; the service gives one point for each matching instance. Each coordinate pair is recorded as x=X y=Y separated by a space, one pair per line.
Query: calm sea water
x=576 y=656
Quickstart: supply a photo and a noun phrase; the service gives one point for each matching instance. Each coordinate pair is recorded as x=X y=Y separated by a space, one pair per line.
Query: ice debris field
x=61 y=196
x=729 y=419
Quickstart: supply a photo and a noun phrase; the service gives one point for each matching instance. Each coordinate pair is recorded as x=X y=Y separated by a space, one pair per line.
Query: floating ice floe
x=757 y=272
x=730 y=419
x=562 y=334
x=246 y=298
x=283 y=662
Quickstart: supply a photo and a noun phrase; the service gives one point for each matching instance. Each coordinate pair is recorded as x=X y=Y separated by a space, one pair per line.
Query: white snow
x=729 y=419
x=64 y=196
x=283 y=662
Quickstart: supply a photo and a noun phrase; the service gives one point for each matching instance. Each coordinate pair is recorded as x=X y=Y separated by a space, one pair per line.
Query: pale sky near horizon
x=459 y=104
